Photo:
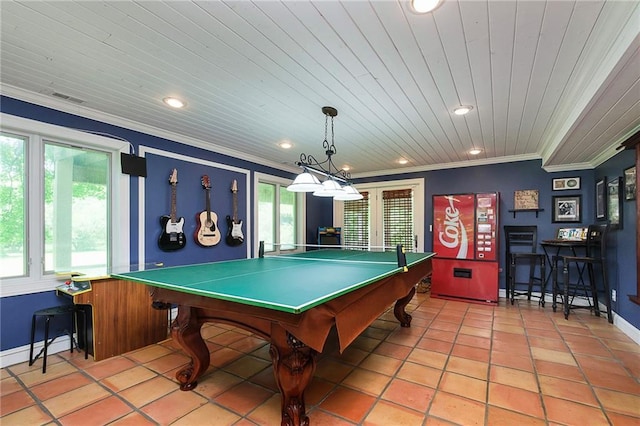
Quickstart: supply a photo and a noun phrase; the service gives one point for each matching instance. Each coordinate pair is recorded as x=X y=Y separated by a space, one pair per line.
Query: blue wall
x=504 y=178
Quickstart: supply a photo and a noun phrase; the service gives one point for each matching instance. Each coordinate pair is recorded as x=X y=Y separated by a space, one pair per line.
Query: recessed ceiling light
x=403 y=161
x=475 y=151
x=285 y=145
x=424 y=6
x=174 y=102
x=346 y=167
x=462 y=110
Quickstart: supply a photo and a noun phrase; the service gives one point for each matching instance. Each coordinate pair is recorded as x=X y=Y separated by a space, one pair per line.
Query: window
x=279 y=213
x=58 y=195
x=390 y=213
x=13 y=210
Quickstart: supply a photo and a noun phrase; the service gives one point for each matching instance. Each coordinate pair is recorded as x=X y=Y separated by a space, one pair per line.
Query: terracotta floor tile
x=168 y=362
x=457 y=409
x=513 y=329
x=444 y=335
x=470 y=352
x=365 y=343
x=76 y=399
x=267 y=413
x=15 y=401
x=248 y=344
x=572 y=413
x=321 y=418
x=248 y=366
x=464 y=386
x=34 y=376
x=615 y=382
x=353 y=356
x=475 y=341
x=500 y=417
x=420 y=374
x=619 y=402
x=513 y=377
x=60 y=385
x=428 y=358
x=224 y=356
x=566 y=389
x=476 y=331
x=468 y=367
x=243 y=398
x=227 y=338
x=31 y=416
x=148 y=353
x=516 y=399
x=622 y=420
x=205 y=414
x=126 y=379
x=506 y=359
x=109 y=367
x=547 y=343
x=317 y=390
x=562 y=357
x=348 y=403
x=100 y=413
x=146 y=392
x=366 y=381
x=9 y=384
x=394 y=351
x=381 y=364
x=409 y=394
x=332 y=370
x=594 y=364
x=173 y=406
x=133 y=419
x=404 y=336
x=435 y=345
x=563 y=371
x=385 y=413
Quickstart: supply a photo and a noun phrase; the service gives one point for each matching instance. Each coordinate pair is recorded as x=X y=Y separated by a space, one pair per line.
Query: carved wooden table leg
x=400 y=313
x=186 y=331
x=294 y=364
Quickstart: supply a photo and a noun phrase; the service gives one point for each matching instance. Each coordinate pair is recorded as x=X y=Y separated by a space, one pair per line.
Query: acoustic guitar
x=234 y=234
x=207 y=233
x=172 y=237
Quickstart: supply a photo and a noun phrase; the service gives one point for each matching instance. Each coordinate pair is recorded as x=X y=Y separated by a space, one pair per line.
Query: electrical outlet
x=613 y=295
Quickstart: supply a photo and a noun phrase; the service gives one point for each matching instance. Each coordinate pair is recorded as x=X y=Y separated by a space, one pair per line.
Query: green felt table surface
x=292 y=283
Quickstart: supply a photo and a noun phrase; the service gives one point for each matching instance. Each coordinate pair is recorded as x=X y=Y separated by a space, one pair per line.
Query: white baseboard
x=21 y=354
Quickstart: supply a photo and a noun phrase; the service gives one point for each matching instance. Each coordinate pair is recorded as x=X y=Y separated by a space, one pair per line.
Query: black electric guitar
x=172 y=237
x=234 y=235
x=207 y=234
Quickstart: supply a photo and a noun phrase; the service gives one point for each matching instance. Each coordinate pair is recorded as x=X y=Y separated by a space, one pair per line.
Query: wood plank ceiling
x=556 y=80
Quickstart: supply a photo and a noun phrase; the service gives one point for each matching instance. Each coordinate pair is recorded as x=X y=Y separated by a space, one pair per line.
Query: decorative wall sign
x=567 y=209
x=561 y=184
x=526 y=199
x=630 y=183
x=601 y=199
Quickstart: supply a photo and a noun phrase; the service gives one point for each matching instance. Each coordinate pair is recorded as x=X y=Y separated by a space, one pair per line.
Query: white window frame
x=36 y=132
x=300 y=214
x=376 y=217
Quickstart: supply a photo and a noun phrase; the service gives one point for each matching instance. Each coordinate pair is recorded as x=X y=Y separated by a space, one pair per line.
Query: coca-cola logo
x=454 y=233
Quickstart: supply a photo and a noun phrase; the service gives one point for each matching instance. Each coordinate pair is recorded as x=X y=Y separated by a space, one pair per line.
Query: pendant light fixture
x=336 y=181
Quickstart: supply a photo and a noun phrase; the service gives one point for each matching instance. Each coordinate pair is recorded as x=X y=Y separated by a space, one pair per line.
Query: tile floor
x=458 y=364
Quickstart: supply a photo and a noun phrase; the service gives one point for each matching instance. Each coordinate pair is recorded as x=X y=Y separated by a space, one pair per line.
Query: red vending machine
x=465 y=240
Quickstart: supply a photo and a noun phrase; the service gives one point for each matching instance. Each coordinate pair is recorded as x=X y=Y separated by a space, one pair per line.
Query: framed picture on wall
x=630 y=183
x=567 y=209
x=614 y=203
x=601 y=199
x=561 y=184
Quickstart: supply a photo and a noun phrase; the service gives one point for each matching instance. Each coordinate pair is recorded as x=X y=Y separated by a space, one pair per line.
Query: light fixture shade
x=350 y=194
x=330 y=188
x=305 y=182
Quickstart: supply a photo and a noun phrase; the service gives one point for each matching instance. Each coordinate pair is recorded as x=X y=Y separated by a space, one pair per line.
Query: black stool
x=49 y=313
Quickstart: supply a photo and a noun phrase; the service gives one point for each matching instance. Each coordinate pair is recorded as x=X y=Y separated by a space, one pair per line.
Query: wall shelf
x=514 y=211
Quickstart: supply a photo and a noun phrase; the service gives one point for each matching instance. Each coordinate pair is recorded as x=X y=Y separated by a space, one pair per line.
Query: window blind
x=355 y=230
x=398 y=218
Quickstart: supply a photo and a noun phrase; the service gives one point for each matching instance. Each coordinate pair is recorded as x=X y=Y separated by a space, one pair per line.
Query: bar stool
x=595 y=255
x=521 y=244
x=48 y=313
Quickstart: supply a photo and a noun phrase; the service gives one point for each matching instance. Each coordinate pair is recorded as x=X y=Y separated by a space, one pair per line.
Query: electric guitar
x=172 y=237
x=234 y=235
x=207 y=233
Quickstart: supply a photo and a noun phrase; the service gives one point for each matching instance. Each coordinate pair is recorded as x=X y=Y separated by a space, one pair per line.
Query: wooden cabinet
x=122 y=318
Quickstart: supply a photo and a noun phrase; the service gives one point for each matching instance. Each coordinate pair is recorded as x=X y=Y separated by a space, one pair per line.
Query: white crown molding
x=82 y=111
